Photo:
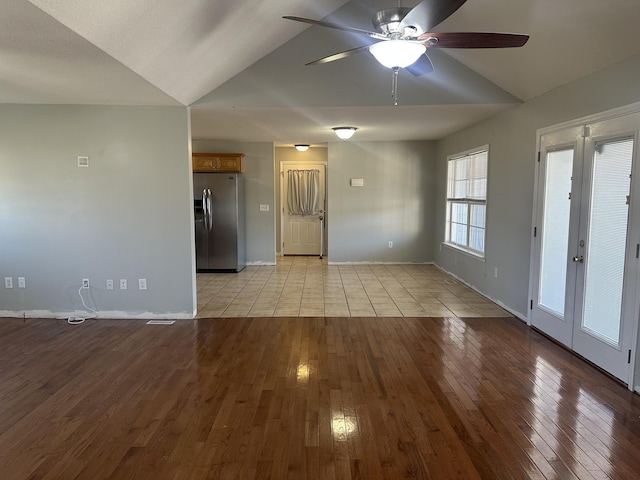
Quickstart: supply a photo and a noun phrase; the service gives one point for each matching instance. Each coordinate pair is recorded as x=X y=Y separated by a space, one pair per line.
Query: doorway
x=587 y=241
x=302 y=212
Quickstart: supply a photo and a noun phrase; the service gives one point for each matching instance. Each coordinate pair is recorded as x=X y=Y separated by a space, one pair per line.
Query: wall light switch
x=22 y=282
x=357 y=182
x=8 y=282
x=264 y=207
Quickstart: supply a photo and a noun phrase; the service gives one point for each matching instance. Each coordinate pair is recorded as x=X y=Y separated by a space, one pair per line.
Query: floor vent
x=161 y=322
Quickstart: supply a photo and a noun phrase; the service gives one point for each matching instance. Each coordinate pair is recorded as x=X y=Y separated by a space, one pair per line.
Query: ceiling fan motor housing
x=387 y=22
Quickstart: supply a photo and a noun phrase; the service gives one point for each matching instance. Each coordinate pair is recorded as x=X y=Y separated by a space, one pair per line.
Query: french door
x=586 y=245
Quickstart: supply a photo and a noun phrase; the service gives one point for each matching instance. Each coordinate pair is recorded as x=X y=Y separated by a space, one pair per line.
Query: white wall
x=259 y=175
x=129 y=215
x=395 y=204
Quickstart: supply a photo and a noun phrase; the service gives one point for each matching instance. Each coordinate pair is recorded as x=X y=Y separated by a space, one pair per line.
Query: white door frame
x=634 y=229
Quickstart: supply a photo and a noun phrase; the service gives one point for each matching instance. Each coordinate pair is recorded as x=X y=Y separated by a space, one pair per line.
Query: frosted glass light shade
x=344 y=133
x=301 y=147
x=397 y=53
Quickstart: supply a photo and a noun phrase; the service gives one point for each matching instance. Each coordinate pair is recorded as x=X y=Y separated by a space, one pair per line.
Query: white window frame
x=466 y=200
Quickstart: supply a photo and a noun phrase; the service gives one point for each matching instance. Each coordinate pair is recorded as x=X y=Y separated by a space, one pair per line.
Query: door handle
x=209 y=211
x=578 y=259
x=205 y=212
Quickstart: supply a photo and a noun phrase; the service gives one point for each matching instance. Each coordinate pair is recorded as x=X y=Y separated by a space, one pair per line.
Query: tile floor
x=308 y=286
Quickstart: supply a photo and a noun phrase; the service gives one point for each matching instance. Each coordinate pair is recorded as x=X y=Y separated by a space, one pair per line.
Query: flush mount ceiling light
x=344 y=133
x=397 y=53
x=301 y=147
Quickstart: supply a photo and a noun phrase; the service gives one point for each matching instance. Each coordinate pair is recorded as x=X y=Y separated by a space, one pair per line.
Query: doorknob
x=578 y=259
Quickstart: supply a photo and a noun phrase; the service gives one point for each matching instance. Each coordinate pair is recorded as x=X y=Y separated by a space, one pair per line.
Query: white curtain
x=303 y=192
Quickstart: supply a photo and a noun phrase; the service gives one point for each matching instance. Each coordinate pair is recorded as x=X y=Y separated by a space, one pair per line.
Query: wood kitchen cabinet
x=217 y=162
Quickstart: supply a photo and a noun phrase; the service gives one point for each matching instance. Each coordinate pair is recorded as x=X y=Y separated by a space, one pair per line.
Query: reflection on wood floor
x=306 y=398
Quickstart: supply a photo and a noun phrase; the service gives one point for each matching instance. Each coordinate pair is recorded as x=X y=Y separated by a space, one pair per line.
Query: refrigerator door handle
x=205 y=213
x=209 y=211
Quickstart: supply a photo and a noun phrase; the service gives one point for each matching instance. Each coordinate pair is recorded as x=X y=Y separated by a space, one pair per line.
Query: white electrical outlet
x=8 y=282
x=142 y=284
x=390 y=244
x=109 y=284
x=264 y=207
x=85 y=283
x=123 y=284
x=22 y=283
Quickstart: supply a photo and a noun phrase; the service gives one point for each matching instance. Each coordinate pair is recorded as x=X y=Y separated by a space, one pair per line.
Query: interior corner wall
x=395 y=204
x=128 y=215
x=259 y=176
x=511 y=137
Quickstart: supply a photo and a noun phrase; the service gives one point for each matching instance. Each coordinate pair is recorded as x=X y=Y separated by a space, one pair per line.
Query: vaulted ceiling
x=241 y=67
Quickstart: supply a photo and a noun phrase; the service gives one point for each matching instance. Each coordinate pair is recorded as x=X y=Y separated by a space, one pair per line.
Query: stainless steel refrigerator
x=219 y=221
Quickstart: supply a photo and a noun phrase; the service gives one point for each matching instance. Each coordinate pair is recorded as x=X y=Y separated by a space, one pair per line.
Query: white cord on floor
x=79 y=320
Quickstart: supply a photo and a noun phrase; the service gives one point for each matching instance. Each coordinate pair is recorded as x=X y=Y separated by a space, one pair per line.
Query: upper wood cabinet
x=217 y=162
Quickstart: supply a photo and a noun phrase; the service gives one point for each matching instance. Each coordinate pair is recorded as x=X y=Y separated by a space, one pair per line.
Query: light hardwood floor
x=306 y=398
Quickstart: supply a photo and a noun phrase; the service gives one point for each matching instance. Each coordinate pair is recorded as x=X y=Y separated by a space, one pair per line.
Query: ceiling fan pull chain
x=394 y=86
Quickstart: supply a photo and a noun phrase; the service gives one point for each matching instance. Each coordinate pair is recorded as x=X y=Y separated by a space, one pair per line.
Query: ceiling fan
x=403 y=36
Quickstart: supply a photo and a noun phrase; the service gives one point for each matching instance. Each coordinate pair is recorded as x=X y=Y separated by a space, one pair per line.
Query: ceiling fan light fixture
x=344 y=133
x=397 y=53
x=301 y=147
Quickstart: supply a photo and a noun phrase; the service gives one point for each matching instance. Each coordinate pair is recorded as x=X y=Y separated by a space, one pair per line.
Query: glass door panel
x=607 y=234
x=555 y=231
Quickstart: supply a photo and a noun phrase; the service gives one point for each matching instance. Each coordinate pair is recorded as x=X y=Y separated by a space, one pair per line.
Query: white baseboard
x=101 y=315
x=252 y=264
x=379 y=263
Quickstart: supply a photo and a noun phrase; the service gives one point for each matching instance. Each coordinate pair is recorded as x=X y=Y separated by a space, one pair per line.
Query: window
x=467 y=200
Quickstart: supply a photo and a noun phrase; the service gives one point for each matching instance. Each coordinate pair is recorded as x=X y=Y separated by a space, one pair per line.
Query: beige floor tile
x=286 y=311
x=262 y=311
x=363 y=313
x=387 y=312
x=439 y=312
x=307 y=286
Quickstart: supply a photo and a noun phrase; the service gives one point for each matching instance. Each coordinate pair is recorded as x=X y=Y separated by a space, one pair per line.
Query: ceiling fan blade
x=473 y=40
x=429 y=13
x=420 y=67
x=336 y=26
x=339 y=56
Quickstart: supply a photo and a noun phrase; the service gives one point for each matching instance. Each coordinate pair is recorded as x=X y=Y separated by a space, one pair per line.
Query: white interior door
x=302 y=234
x=587 y=242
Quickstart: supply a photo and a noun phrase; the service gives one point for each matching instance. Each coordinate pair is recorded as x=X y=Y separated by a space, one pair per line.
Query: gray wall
x=512 y=141
x=129 y=215
x=259 y=175
x=395 y=204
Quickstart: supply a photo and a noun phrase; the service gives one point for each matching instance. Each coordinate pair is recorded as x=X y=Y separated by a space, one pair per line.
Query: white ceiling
x=241 y=66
